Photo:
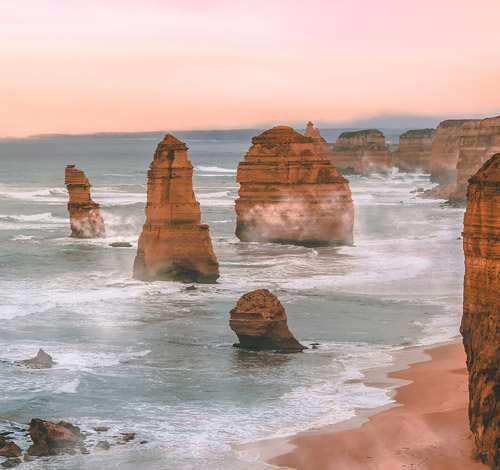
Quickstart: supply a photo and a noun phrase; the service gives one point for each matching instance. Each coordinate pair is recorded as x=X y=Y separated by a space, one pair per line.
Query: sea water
x=157 y=359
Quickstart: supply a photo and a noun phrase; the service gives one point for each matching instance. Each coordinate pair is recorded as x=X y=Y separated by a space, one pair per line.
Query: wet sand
x=427 y=429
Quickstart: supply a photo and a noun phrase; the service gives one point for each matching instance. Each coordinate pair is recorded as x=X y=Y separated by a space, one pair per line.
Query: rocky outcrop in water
x=174 y=244
x=41 y=361
x=320 y=144
x=362 y=152
x=9 y=448
x=260 y=322
x=479 y=142
x=414 y=151
x=445 y=151
x=84 y=214
x=480 y=326
x=51 y=438
x=289 y=193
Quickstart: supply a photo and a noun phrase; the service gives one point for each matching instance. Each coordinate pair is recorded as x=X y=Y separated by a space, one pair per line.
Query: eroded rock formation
x=480 y=140
x=260 y=322
x=51 y=438
x=362 y=152
x=320 y=144
x=414 y=151
x=445 y=151
x=480 y=326
x=289 y=193
x=84 y=214
x=174 y=244
x=41 y=361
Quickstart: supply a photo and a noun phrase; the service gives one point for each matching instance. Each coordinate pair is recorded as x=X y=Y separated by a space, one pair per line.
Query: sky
x=70 y=66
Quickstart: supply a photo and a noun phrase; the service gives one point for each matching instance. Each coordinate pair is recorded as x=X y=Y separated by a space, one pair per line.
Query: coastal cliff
x=414 y=151
x=362 y=152
x=289 y=193
x=84 y=214
x=480 y=326
x=174 y=244
x=320 y=144
x=479 y=142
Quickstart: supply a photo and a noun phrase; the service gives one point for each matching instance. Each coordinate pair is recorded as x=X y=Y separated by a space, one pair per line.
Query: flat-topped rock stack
x=362 y=152
x=291 y=194
x=480 y=326
x=320 y=144
x=414 y=151
x=174 y=244
x=84 y=214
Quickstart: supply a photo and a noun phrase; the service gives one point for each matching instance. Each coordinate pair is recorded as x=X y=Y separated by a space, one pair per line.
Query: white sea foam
x=70 y=387
x=215 y=169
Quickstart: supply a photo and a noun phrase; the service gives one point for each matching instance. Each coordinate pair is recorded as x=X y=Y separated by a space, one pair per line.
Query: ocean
x=157 y=359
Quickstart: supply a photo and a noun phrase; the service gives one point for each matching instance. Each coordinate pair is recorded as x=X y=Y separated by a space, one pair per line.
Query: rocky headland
x=291 y=194
x=480 y=326
x=84 y=214
x=260 y=322
x=414 y=151
x=174 y=244
x=362 y=152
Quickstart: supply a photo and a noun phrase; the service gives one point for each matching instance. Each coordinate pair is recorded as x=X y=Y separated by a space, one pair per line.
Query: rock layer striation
x=84 y=214
x=414 y=151
x=174 y=244
x=480 y=326
x=362 y=152
x=260 y=322
x=289 y=193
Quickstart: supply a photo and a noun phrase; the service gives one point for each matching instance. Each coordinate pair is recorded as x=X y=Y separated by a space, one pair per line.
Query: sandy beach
x=428 y=430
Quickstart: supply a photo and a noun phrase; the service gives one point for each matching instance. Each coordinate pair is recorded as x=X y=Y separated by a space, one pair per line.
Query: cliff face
x=260 y=322
x=288 y=193
x=414 y=152
x=445 y=151
x=480 y=326
x=320 y=144
x=479 y=142
x=362 y=152
x=174 y=244
x=84 y=214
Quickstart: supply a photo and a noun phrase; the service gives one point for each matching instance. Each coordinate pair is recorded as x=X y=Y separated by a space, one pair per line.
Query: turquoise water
x=157 y=359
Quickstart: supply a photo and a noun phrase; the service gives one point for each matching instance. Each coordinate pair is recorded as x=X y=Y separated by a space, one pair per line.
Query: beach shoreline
x=426 y=425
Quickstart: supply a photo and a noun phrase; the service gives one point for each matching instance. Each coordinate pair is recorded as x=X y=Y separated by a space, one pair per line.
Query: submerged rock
x=11 y=463
x=290 y=194
x=51 y=438
x=480 y=326
x=260 y=322
x=84 y=214
x=41 y=361
x=362 y=152
x=120 y=244
x=104 y=445
x=174 y=244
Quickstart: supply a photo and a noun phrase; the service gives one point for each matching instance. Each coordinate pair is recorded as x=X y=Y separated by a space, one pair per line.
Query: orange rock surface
x=289 y=193
x=174 y=244
x=479 y=142
x=362 y=152
x=445 y=151
x=480 y=326
x=84 y=214
x=260 y=322
x=414 y=151
x=320 y=144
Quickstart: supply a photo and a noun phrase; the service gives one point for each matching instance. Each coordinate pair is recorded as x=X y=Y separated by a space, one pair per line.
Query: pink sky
x=130 y=65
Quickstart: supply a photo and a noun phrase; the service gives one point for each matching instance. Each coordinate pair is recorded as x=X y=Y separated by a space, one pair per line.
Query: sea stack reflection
x=480 y=326
x=291 y=194
x=84 y=214
x=174 y=244
x=260 y=322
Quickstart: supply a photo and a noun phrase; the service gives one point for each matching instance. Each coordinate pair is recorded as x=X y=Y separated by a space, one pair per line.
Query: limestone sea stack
x=260 y=322
x=414 y=151
x=362 y=152
x=320 y=144
x=290 y=194
x=480 y=140
x=174 y=244
x=445 y=151
x=84 y=214
x=480 y=326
